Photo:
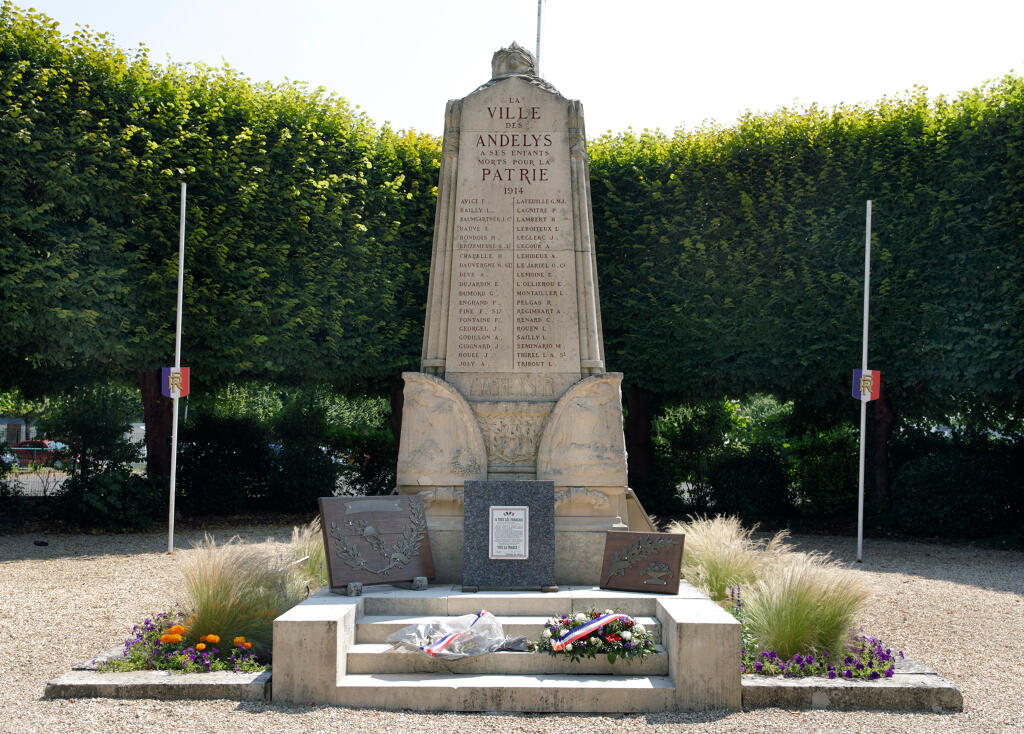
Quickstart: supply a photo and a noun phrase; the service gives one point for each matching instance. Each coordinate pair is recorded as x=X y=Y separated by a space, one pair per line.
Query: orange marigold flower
x=238 y=641
x=176 y=630
x=170 y=638
x=212 y=639
x=247 y=645
x=200 y=646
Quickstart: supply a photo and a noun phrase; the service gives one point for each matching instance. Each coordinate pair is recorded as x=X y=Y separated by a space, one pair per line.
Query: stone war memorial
x=513 y=383
x=512 y=444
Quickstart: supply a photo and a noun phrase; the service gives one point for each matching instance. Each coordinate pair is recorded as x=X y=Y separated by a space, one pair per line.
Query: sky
x=639 y=64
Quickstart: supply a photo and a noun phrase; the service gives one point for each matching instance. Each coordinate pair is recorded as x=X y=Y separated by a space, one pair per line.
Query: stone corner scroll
x=441 y=442
x=375 y=540
x=583 y=443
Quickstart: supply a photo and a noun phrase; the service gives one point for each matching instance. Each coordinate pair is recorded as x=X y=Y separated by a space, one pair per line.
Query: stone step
x=382 y=658
x=376 y=628
x=453 y=692
x=448 y=599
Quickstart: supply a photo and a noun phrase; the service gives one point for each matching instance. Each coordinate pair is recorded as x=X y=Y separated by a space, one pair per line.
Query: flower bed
x=158 y=645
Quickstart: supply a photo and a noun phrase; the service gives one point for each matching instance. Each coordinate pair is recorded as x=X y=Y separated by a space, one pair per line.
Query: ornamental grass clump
x=308 y=547
x=804 y=604
x=719 y=553
x=236 y=590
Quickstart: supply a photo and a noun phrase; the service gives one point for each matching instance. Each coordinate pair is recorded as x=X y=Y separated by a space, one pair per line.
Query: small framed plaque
x=642 y=562
x=509 y=536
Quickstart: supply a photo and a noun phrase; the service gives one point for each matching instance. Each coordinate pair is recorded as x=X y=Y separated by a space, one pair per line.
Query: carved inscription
x=513 y=303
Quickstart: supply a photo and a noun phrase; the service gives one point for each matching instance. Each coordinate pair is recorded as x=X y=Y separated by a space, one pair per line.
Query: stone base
x=329 y=650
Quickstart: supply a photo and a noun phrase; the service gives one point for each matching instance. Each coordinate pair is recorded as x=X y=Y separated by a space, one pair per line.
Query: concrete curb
x=913 y=687
x=85 y=681
x=162 y=684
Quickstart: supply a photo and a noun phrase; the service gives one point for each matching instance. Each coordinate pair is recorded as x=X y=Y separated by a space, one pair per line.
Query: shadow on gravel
x=26 y=546
x=996 y=570
x=571 y=722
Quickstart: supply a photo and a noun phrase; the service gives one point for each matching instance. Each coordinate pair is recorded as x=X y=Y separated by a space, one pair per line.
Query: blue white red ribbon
x=586 y=629
x=445 y=641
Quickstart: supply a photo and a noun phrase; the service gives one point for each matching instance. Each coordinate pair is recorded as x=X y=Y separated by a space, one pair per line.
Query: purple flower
x=628 y=645
x=889 y=672
x=874 y=675
x=847 y=673
x=758 y=667
x=798 y=658
x=831 y=674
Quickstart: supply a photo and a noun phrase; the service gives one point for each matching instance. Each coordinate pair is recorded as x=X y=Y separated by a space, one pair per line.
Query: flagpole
x=177 y=367
x=863 y=402
x=539 y=2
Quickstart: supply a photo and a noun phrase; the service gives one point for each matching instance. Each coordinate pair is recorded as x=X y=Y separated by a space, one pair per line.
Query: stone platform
x=330 y=649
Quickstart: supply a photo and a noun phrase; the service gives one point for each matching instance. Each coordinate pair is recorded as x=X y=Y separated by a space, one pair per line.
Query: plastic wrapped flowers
x=592 y=633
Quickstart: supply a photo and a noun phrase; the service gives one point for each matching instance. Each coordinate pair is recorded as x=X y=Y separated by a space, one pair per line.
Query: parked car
x=40 y=452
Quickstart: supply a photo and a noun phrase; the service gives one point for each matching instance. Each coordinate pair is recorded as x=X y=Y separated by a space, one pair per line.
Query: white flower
x=562 y=631
x=608 y=611
x=627 y=635
x=568 y=648
x=639 y=629
x=580 y=617
x=547 y=634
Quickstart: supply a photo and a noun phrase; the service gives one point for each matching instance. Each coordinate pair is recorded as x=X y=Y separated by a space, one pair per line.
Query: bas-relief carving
x=583 y=443
x=581 y=496
x=512 y=431
x=434 y=495
x=441 y=442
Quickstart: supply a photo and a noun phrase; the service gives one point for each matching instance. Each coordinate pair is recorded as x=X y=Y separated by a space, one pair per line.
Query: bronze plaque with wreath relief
x=375 y=540
x=642 y=562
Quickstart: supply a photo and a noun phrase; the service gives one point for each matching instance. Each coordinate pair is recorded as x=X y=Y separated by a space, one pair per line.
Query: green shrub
x=751 y=484
x=10 y=487
x=304 y=467
x=113 y=498
x=93 y=421
x=368 y=460
x=960 y=492
x=224 y=465
x=824 y=468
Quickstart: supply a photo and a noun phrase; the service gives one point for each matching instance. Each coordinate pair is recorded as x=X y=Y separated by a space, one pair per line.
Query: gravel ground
x=957 y=610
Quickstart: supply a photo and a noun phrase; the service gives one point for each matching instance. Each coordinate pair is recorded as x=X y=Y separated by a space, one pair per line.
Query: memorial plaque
x=516 y=518
x=642 y=562
x=513 y=307
x=509 y=539
x=375 y=540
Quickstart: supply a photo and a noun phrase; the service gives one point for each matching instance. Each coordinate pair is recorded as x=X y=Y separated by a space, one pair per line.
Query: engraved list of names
x=513 y=289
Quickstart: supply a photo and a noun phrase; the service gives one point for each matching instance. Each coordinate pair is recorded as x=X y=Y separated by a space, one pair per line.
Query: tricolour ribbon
x=584 y=630
x=445 y=641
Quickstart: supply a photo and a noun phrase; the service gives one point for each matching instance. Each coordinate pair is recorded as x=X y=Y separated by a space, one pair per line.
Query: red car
x=40 y=452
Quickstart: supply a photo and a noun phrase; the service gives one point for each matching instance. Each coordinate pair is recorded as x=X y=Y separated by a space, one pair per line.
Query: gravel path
x=959 y=611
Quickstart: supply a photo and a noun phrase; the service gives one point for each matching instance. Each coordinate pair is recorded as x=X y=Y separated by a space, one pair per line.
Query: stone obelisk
x=513 y=382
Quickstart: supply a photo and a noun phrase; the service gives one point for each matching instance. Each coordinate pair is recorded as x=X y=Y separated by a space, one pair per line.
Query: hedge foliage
x=730 y=259
x=308 y=230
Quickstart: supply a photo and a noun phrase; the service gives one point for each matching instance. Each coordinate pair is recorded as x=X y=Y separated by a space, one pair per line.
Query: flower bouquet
x=589 y=634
